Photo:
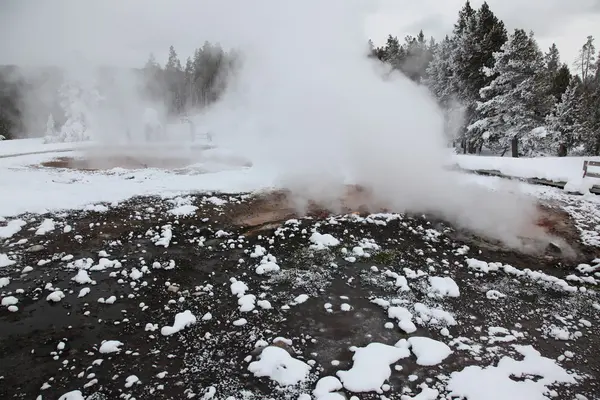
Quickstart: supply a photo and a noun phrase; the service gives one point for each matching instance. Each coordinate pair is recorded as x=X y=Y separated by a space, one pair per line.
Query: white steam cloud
x=308 y=103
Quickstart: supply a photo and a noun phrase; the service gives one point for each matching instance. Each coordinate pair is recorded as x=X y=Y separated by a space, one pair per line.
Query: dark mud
x=206 y=249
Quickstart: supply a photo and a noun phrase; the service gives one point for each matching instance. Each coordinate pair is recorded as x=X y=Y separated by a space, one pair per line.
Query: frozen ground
x=183 y=297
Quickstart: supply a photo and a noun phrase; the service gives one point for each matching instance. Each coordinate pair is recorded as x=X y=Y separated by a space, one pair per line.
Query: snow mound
x=280 y=366
x=495 y=383
x=371 y=367
x=182 y=320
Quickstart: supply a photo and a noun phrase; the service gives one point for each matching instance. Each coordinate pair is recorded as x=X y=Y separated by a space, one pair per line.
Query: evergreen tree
x=586 y=61
x=565 y=124
x=393 y=53
x=478 y=35
x=515 y=97
x=175 y=81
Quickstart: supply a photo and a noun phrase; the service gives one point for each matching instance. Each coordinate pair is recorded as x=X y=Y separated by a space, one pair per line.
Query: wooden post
x=514 y=145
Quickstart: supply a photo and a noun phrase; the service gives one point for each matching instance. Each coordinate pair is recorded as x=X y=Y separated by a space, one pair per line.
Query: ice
x=182 y=320
x=429 y=351
x=371 y=367
x=280 y=366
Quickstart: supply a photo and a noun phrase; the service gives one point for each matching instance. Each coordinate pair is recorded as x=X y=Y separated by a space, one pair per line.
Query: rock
x=553 y=248
x=35 y=248
x=173 y=288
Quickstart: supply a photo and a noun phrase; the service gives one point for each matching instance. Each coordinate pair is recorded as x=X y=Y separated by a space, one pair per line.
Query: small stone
x=35 y=248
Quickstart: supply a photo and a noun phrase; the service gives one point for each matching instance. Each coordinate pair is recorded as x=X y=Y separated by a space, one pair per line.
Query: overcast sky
x=125 y=32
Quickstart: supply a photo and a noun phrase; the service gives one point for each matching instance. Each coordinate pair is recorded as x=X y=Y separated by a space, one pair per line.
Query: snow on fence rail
x=586 y=165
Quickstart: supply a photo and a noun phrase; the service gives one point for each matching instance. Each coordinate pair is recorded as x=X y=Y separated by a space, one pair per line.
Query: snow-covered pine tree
x=440 y=80
x=51 y=133
x=477 y=36
x=564 y=125
x=175 y=82
x=514 y=100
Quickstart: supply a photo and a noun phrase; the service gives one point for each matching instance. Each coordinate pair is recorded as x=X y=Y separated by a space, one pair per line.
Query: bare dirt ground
x=49 y=348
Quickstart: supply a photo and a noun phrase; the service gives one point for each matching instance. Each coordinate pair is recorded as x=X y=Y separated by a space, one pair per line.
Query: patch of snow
x=322 y=242
x=12 y=227
x=182 y=320
x=55 y=296
x=110 y=346
x=496 y=383
x=444 y=286
x=184 y=210
x=429 y=351
x=371 y=366
x=46 y=226
x=280 y=366
x=5 y=261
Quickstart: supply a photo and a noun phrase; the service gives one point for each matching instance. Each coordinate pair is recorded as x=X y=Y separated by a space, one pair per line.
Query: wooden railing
x=587 y=164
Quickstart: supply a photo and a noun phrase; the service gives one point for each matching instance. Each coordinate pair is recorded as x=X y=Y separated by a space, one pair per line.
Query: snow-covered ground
x=37 y=190
x=559 y=169
x=37 y=145
x=27 y=187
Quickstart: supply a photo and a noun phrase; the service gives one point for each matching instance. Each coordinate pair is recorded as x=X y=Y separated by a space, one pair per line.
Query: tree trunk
x=514 y=147
x=463 y=144
x=562 y=150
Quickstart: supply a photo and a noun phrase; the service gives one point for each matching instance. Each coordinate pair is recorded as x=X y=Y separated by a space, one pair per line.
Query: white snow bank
x=371 y=366
x=182 y=320
x=25 y=146
x=41 y=190
x=280 y=366
x=495 y=383
x=563 y=169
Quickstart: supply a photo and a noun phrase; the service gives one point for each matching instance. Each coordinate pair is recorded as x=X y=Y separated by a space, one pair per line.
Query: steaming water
x=307 y=103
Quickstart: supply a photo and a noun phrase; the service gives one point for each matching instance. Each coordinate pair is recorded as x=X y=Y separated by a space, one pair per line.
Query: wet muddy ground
x=50 y=348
